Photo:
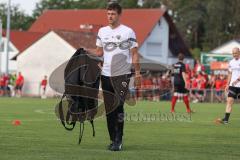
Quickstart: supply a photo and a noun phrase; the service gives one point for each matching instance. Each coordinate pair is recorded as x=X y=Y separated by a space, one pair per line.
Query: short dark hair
x=180 y=56
x=115 y=6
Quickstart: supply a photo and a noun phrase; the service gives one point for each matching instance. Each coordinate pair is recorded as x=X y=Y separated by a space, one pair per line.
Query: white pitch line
x=40 y=111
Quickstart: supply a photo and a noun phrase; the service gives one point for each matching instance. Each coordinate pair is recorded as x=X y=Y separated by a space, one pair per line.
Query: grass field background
x=150 y=136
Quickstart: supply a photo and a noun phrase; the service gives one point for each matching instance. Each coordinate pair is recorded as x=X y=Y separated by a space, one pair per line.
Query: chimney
x=86 y=27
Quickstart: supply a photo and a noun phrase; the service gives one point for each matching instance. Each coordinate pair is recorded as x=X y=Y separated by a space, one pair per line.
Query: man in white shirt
x=233 y=84
x=118 y=45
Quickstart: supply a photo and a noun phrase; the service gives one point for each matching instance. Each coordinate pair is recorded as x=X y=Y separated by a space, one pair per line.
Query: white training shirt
x=116 y=45
x=234 y=67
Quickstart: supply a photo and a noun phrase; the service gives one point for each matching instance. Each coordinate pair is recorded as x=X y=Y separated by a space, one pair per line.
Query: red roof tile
x=141 y=21
x=22 y=39
x=78 y=39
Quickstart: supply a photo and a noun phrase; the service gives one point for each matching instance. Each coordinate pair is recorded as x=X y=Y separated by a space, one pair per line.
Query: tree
x=129 y=3
x=234 y=11
x=151 y=4
x=204 y=24
x=217 y=23
x=207 y=24
x=189 y=17
x=67 y=4
x=78 y=4
x=19 y=20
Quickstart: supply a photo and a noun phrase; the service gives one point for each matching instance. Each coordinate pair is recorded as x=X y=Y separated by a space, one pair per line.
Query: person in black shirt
x=179 y=83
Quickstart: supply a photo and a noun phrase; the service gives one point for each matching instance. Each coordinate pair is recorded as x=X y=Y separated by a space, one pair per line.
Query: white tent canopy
x=226 y=48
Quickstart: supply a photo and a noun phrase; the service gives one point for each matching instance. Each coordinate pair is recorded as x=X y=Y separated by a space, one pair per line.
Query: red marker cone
x=16 y=122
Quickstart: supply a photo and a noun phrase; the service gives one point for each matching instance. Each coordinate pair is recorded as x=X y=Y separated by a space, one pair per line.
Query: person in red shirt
x=188 y=69
x=148 y=87
x=4 y=90
x=224 y=78
x=1 y=85
x=188 y=82
x=5 y=85
x=194 y=89
x=211 y=81
x=19 y=84
x=202 y=87
x=198 y=68
x=218 y=88
x=43 y=87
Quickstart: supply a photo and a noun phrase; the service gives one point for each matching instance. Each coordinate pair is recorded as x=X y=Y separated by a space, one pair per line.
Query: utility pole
x=8 y=36
x=0 y=34
x=1 y=49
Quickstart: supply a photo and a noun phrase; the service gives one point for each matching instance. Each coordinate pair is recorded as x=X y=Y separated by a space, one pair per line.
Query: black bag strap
x=93 y=129
x=81 y=132
x=74 y=122
x=62 y=116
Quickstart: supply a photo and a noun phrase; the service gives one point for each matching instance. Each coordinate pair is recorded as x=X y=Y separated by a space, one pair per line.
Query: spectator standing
x=43 y=87
x=19 y=84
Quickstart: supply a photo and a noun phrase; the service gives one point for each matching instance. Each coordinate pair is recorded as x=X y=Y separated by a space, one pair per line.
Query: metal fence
x=206 y=95
x=151 y=94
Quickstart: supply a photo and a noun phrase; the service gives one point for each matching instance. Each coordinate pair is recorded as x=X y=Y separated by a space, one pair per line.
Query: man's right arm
x=228 y=80
x=229 y=76
x=97 y=51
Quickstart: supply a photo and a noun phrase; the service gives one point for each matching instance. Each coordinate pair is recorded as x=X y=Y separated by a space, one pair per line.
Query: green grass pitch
x=150 y=133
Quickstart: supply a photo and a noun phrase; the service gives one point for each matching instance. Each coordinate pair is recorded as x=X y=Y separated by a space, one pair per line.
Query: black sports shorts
x=19 y=87
x=180 y=89
x=234 y=92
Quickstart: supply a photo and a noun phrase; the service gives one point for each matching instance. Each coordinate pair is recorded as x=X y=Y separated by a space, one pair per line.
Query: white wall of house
x=40 y=59
x=156 y=47
x=12 y=65
x=226 y=48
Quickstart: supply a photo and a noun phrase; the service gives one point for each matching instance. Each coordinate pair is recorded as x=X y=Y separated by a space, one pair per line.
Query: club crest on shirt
x=118 y=37
x=124 y=84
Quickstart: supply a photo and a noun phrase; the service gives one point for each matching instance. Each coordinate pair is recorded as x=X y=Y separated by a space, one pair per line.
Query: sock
x=227 y=115
x=174 y=100
x=186 y=101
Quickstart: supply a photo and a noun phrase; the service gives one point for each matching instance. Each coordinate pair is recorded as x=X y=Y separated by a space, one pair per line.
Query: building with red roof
x=156 y=33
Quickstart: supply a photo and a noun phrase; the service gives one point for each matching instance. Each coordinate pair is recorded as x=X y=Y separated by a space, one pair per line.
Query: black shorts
x=201 y=92
x=4 y=88
x=219 y=93
x=19 y=87
x=180 y=89
x=44 y=88
x=194 y=91
x=234 y=92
